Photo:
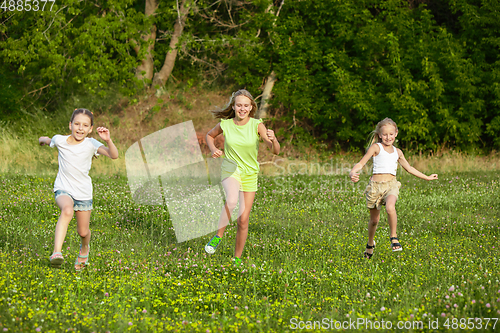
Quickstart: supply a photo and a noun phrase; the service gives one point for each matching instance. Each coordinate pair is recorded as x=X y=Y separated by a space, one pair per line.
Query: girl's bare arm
x=404 y=163
x=372 y=151
x=44 y=140
x=211 y=135
x=269 y=138
x=110 y=151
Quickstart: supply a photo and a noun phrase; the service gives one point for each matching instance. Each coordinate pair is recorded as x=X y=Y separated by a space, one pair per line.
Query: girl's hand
x=43 y=140
x=270 y=135
x=432 y=177
x=217 y=153
x=354 y=176
x=104 y=133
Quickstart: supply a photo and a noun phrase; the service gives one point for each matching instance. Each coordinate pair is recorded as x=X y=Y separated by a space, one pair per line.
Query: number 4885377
x=470 y=323
x=26 y=5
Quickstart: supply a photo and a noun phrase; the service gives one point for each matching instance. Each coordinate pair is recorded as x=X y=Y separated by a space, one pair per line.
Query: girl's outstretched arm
x=269 y=138
x=372 y=151
x=211 y=135
x=404 y=163
x=110 y=150
x=44 y=140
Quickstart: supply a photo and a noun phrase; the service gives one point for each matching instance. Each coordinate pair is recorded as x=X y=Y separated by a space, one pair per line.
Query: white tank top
x=385 y=162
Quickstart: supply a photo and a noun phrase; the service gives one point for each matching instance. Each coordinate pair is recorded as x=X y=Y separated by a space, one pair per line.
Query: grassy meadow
x=303 y=264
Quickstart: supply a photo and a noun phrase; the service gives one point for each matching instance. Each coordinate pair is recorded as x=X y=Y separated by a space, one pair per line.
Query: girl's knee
x=67 y=211
x=243 y=222
x=231 y=203
x=374 y=222
x=83 y=232
x=390 y=209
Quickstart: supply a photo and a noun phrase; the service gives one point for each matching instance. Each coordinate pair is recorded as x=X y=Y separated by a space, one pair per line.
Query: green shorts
x=248 y=182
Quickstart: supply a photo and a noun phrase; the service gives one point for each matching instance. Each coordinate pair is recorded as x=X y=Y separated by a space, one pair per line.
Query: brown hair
x=374 y=136
x=228 y=112
x=85 y=112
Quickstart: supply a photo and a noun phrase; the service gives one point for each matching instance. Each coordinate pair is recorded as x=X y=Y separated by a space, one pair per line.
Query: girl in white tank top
x=383 y=188
x=385 y=162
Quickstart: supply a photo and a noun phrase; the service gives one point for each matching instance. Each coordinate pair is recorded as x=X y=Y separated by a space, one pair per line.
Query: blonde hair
x=228 y=112
x=374 y=136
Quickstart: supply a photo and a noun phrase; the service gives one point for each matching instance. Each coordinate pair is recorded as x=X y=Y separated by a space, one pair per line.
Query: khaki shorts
x=377 y=192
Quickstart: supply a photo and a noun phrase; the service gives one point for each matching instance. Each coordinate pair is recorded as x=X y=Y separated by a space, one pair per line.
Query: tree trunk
x=271 y=79
x=266 y=95
x=162 y=76
x=146 y=69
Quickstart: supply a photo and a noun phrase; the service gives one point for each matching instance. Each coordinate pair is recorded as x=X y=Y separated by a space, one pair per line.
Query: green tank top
x=241 y=144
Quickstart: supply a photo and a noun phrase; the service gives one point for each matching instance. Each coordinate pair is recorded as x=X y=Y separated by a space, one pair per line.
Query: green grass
x=302 y=261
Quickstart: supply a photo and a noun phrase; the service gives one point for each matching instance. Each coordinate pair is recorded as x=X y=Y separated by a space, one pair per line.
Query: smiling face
x=388 y=134
x=242 y=107
x=80 y=127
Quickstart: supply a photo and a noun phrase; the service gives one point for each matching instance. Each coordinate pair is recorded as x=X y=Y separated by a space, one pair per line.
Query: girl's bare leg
x=231 y=188
x=392 y=217
x=372 y=227
x=65 y=204
x=83 y=228
x=246 y=202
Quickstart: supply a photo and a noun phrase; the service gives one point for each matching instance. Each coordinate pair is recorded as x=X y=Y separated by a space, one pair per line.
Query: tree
x=162 y=76
x=342 y=65
x=72 y=47
x=479 y=86
x=271 y=79
x=146 y=69
x=266 y=95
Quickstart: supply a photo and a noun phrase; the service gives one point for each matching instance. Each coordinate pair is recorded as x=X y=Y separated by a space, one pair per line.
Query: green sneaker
x=237 y=262
x=212 y=245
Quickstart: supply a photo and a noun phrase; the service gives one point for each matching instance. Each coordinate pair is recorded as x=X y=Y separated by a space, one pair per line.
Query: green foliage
x=152 y=112
x=10 y=91
x=76 y=46
x=479 y=23
x=342 y=66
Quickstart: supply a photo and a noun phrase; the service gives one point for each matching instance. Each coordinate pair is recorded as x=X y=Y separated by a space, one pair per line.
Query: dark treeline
x=330 y=68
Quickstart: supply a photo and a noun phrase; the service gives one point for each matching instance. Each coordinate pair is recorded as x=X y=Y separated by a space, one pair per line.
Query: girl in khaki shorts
x=383 y=188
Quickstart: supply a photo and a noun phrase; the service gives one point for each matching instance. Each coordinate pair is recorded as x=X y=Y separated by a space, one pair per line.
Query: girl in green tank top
x=240 y=166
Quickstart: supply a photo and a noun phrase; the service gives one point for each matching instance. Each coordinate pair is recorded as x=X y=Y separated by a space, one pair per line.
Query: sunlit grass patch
x=302 y=261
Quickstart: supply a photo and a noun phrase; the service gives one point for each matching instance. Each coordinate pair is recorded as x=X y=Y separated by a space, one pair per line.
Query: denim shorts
x=77 y=204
